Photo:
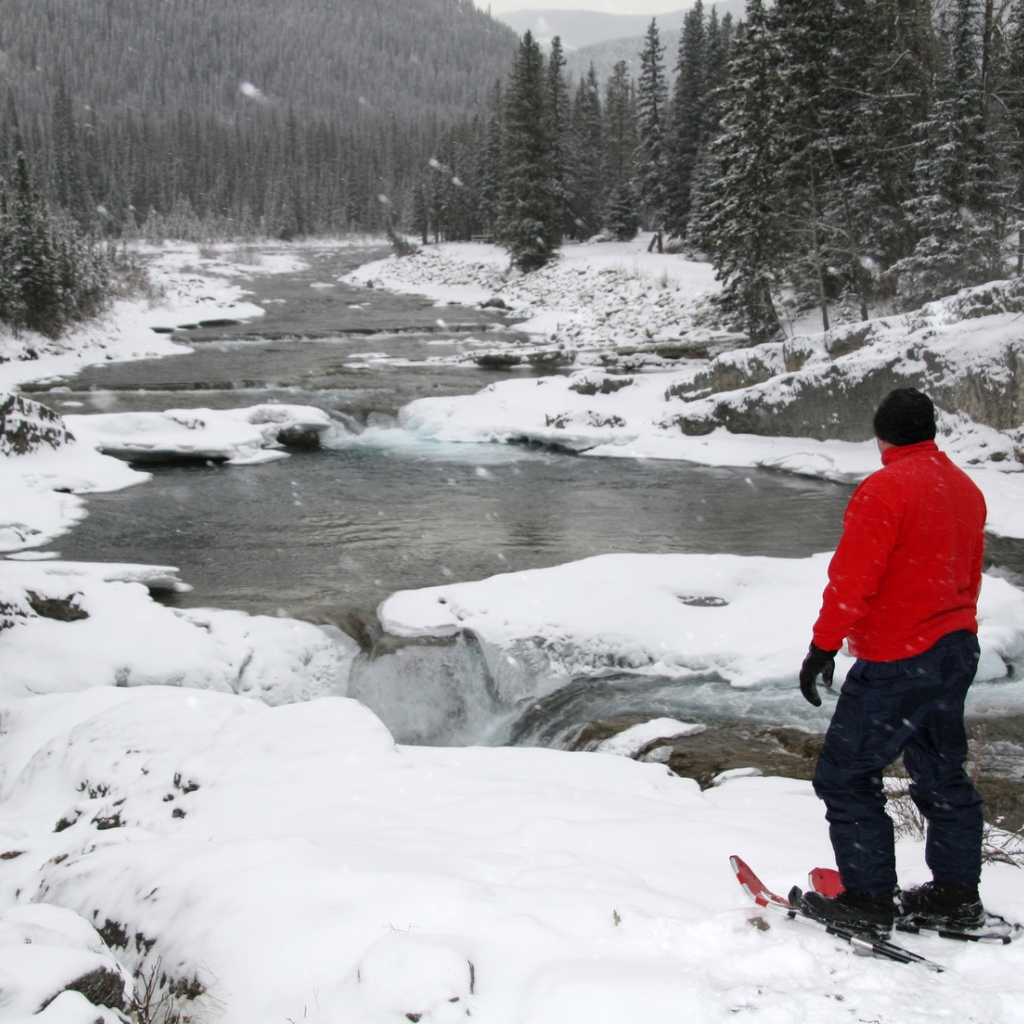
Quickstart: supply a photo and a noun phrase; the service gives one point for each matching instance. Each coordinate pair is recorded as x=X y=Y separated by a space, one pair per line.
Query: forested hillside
x=845 y=154
x=849 y=154
x=281 y=118
x=412 y=58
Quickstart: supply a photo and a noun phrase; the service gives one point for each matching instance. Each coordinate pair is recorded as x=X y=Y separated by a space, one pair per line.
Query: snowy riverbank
x=786 y=405
x=744 y=619
x=594 y=296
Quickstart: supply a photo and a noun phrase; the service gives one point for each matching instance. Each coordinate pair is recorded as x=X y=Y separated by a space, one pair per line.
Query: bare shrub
x=160 y=999
x=130 y=279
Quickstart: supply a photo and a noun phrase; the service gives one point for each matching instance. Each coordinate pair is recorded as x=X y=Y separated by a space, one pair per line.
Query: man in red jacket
x=903 y=590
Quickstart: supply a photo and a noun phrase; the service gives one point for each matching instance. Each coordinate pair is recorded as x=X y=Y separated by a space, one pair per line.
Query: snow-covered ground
x=280 y=863
x=72 y=625
x=293 y=864
x=594 y=295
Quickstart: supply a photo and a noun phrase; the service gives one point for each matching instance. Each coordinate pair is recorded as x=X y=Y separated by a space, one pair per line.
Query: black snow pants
x=914 y=706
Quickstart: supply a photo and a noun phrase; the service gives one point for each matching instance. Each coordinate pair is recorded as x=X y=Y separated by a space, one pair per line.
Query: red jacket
x=908 y=567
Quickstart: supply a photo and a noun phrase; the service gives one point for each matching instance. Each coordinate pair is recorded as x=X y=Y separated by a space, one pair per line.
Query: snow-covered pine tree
x=652 y=115
x=10 y=136
x=586 y=158
x=50 y=273
x=809 y=111
x=893 y=43
x=527 y=227
x=421 y=211
x=622 y=215
x=736 y=214
x=35 y=302
x=687 y=125
x=559 y=115
x=68 y=179
x=958 y=210
x=490 y=167
x=718 y=50
x=7 y=310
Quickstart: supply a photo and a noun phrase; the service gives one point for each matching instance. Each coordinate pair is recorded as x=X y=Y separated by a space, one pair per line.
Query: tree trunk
x=815 y=243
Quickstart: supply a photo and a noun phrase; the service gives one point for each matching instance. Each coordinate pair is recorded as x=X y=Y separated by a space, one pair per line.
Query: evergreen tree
x=718 y=50
x=49 y=274
x=897 y=50
x=559 y=116
x=651 y=155
x=737 y=221
x=620 y=154
x=33 y=281
x=68 y=181
x=806 y=33
x=527 y=227
x=689 y=103
x=587 y=156
x=11 y=143
x=621 y=216
x=421 y=211
x=957 y=211
x=490 y=166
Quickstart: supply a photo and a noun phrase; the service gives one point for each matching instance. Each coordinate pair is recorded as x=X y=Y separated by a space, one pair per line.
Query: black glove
x=817 y=662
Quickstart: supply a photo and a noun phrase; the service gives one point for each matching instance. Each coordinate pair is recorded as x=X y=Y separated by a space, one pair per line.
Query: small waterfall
x=436 y=691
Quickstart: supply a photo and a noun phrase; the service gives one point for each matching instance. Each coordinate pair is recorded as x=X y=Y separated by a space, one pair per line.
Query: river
x=326 y=535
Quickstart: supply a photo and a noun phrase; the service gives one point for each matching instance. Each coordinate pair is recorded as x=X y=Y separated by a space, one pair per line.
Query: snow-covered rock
x=27 y=426
x=71 y=626
x=55 y=968
x=238 y=436
x=632 y=741
x=743 y=618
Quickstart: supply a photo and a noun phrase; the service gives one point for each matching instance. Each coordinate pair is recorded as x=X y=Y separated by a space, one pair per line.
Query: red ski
x=789 y=908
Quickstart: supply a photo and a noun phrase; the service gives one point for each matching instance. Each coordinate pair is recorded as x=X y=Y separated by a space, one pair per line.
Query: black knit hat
x=906 y=416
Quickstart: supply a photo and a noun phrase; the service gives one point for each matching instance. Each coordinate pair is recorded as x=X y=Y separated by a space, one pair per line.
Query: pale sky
x=608 y=6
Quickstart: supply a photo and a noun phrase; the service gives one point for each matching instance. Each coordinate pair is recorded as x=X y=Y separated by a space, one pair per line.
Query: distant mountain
x=586 y=28
x=604 y=55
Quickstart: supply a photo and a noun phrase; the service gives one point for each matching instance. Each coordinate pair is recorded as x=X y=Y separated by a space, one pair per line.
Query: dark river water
x=326 y=533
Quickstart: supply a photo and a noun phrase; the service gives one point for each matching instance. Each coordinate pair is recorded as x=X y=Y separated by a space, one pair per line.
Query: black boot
x=942 y=905
x=870 y=916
